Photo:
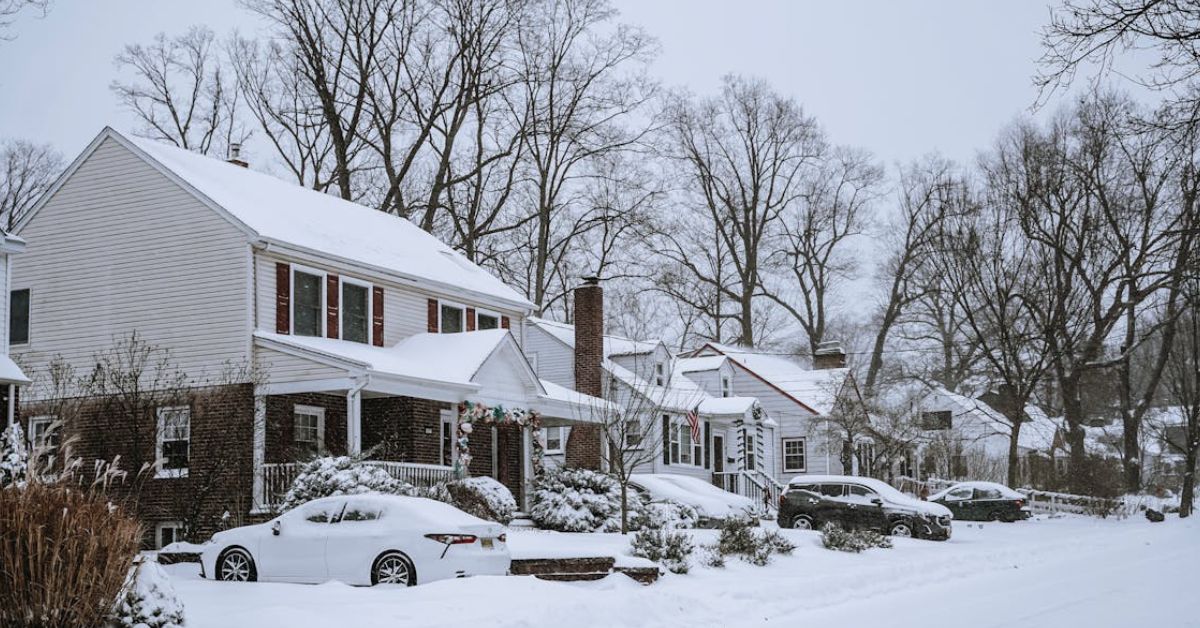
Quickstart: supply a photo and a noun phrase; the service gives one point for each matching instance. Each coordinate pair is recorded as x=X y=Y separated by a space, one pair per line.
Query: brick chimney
x=235 y=155
x=829 y=355
x=583 y=443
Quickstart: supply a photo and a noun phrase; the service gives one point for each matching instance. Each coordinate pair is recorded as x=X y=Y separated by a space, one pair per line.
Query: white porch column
x=354 y=421
x=259 y=501
x=526 y=466
x=12 y=403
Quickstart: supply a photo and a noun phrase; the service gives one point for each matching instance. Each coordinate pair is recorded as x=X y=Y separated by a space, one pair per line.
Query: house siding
x=555 y=360
x=120 y=248
x=794 y=421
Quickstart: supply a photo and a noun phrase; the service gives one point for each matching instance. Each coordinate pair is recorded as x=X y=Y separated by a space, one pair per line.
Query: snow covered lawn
x=1043 y=572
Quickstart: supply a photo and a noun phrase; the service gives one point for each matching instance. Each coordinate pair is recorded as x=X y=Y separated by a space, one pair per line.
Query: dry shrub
x=64 y=556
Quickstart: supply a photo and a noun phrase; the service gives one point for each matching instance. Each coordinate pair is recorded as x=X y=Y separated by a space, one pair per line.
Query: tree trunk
x=624 y=508
x=1187 y=496
x=1131 y=454
x=1076 y=445
x=1014 y=458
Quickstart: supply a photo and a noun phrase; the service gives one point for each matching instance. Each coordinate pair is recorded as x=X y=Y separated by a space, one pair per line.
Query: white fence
x=759 y=487
x=278 y=477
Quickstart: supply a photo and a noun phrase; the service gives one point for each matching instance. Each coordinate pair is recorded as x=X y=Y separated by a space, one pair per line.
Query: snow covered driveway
x=1044 y=572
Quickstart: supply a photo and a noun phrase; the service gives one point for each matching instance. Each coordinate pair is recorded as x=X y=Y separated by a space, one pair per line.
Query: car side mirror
x=877 y=501
x=276 y=527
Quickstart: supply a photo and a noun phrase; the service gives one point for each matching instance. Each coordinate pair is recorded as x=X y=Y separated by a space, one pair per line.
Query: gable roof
x=613 y=345
x=815 y=390
x=288 y=215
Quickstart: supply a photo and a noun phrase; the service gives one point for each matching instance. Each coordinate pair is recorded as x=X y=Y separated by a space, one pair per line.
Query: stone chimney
x=589 y=336
x=235 y=155
x=829 y=355
x=584 y=442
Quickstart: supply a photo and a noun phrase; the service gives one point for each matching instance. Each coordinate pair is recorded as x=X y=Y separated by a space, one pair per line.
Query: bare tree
x=745 y=155
x=1182 y=384
x=180 y=92
x=28 y=172
x=10 y=9
x=832 y=208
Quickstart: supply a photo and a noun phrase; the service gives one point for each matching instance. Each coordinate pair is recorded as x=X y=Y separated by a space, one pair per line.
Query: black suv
x=860 y=503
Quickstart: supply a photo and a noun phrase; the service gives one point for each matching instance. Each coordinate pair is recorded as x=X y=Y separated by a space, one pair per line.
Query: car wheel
x=996 y=515
x=236 y=565
x=902 y=528
x=802 y=523
x=393 y=568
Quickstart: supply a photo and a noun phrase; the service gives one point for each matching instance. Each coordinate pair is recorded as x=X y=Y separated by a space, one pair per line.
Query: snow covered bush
x=645 y=514
x=711 y=556
x=65 y=554
x=739 y=537
x=14 y=457
x=669 y=548
x=341 y=475
x=576 y=500
x=148 y=600
x=835 y=538
x=483 y=497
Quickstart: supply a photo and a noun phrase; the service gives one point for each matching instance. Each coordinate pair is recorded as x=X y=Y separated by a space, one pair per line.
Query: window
x=865 y=452
x=633 y=434
x=940 y=420
x=43 y=441
x=751 y=453
x=794 y=456
x=321 y=512
x=726 y=386
x=308 y=300
x=361 y=510
x=355 y=314
x=685 y=450
x=959 y=494
x=174 y=440
x=452 y=319
x=486 y=320
x=860 y=491
x=18 y=317
x=167 y=532
x=309 y=431
x=832 y=490
x=553 y=437
x=660 y=374
x=447 y=442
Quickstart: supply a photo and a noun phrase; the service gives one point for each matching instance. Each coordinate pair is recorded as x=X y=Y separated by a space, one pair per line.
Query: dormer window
x=660 y=374
x=308 y=301
x=452 y=319
x=487 y=320
x=726 y=386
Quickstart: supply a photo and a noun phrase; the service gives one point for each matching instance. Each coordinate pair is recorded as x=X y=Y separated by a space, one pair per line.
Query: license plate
x=487 y=543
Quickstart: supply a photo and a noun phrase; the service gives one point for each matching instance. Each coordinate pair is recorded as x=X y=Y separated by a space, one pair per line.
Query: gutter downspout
x=354 y=416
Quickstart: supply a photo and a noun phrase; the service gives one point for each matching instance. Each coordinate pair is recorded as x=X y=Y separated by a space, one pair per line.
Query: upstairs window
x=660 y=374
x=487 y=320
x=356 y=312
x=726 y=386
x=452 y=319
x=18 y=317
x=633 y=434
x=308 y=301
x=173 y=446
x=940 y=420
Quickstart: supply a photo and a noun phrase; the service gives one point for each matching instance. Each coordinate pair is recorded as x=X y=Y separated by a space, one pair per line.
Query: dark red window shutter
x=333 y=295
x=666 y=439
x=470 y=319
x=504 y=322
x=283 y=298
x=377 y=316
x=432 y=309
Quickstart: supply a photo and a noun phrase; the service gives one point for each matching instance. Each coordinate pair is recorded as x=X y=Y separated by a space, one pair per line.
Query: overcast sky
x=899 y=78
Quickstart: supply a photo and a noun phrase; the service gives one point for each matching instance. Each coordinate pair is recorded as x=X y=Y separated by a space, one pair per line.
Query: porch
x=277 y=477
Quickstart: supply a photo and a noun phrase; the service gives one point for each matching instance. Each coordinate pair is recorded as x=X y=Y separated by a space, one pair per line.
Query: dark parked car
x=982 y=501
x=812 y=501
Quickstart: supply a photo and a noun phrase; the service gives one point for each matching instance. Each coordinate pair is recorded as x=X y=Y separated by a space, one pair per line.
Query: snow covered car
x=982 y=501
x=360 y=539
x=712 y=504
x=811 y=501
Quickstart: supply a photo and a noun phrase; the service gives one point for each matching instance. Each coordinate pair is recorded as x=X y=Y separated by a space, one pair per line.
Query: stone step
x=644 y=575
x=579 y=569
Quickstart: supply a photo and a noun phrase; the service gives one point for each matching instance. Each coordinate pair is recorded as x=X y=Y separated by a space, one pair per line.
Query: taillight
x=782 y=499
x=503 y=538
x=452 y=539
x=1020 y=503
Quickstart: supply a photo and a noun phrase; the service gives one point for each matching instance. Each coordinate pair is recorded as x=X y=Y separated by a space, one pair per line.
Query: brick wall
x=404 y=429
x=219 y=477
x=281 y=424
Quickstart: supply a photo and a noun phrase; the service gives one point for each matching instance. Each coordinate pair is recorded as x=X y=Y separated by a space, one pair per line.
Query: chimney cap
x=591 y=280
x=830 y=347
x=235 y=155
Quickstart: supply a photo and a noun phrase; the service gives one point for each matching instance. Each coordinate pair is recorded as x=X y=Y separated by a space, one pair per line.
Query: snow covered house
x=798 y=400
x=735 y=445
x=351 y=331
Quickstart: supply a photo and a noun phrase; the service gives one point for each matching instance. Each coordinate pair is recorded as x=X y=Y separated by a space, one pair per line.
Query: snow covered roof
x=289 y=215
x=10 y=373
x=596 y=406
x=672 y=398
x=699 y=364
x=613 y=345
x=816 y=389
x=727 y=405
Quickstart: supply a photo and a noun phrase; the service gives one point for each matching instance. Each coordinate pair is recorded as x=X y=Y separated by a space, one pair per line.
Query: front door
x=718 y=454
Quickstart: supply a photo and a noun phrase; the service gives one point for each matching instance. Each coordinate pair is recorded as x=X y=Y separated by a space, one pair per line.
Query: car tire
x=803 y=522
x=901 y=529
x=996 y=515
x=393 y=568
x=236 y=565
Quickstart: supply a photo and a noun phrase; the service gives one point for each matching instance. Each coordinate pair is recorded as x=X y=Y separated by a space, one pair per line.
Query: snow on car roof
x=707 y=499
x=1007 y=492
x=290 y=214
x=428 y=510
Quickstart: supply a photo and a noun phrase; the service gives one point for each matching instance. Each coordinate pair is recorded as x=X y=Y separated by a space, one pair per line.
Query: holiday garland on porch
x=470 y=414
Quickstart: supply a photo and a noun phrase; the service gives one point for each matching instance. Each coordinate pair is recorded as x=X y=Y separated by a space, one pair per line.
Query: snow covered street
x=1043 y=572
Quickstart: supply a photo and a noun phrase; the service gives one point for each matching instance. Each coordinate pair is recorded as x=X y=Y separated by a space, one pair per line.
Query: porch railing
x=755 y=485
x=278 y=477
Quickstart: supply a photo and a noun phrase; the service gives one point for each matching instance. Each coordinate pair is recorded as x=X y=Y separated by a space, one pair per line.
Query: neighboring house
x=735 y=448
x=799 y=400
x=365 y=333
x=14 y=307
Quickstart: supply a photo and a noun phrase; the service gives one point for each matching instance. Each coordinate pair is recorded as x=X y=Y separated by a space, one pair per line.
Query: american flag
x=693 y=419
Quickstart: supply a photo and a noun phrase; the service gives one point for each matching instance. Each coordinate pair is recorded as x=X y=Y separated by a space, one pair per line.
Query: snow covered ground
x=1044 y=572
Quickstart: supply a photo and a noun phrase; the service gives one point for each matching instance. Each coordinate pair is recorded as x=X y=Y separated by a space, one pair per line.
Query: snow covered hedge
x=341 y=475
x=14 y=457
x=835 y=538
x=576 y=500
x=670 y=548
x=483 y=497
x=148 y=600
x=740 y=537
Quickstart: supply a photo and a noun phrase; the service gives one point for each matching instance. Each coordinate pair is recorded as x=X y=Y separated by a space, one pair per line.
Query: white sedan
x=360 y=539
